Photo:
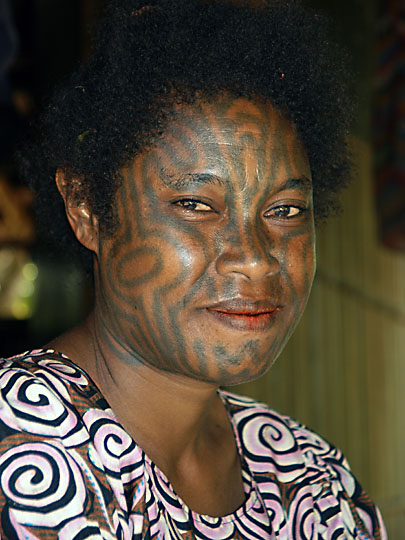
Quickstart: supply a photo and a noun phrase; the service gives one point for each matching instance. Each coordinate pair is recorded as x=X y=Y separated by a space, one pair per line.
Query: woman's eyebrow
x=302 y=183
x=190 y=179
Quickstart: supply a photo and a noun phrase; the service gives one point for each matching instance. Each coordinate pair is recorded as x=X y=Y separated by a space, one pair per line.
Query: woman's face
x=213 y=259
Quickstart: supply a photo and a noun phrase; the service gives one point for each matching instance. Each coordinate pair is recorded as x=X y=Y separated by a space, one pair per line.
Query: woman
x=191 y=153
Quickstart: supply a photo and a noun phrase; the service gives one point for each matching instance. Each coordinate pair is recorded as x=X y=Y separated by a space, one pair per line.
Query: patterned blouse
x=69 y=470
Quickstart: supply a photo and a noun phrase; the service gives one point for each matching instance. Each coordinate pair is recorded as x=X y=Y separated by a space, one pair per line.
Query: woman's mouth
x=245 y=318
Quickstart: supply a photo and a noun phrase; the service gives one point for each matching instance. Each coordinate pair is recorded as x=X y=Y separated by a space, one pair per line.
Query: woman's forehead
x=234 y=141
x=221 y=133
x=229 y=115
x=227 y=121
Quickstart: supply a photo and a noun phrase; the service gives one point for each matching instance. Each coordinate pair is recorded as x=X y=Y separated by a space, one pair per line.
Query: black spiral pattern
x=42 y=483
x=116 y=450
x=39 y=407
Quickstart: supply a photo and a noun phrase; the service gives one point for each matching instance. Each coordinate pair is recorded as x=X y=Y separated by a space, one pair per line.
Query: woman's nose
x=249 y=257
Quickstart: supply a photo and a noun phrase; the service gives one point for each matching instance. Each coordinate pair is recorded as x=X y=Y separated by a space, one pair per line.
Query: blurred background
x=343 y=372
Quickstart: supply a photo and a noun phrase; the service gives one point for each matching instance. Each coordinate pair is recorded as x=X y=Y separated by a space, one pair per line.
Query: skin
x=201 y=284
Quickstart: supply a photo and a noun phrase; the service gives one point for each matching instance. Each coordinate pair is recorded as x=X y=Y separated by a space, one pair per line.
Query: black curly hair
x=149 y=55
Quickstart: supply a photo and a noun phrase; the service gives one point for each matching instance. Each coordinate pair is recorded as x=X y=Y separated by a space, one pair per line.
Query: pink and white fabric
x=69 y=470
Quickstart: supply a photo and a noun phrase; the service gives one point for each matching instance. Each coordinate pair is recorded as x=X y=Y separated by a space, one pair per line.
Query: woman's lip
x=245 y=306
x=246 y=320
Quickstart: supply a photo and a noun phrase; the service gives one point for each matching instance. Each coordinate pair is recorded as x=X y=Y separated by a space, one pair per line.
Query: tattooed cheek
x=132 y=274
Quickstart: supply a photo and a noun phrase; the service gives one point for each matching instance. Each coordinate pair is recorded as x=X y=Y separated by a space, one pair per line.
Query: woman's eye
x=194 y=206
x=285 y=211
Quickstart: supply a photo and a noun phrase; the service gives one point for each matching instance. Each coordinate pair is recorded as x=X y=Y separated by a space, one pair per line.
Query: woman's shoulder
x=244 y=407
x=43 y=391
x=39 y=360
x=282 y=438
x=282 y=452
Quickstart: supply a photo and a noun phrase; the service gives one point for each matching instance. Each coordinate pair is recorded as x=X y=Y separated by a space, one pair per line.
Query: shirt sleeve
x=49 y=487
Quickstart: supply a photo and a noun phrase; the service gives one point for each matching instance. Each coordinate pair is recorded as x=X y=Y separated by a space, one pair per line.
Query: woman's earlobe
x=82 y=220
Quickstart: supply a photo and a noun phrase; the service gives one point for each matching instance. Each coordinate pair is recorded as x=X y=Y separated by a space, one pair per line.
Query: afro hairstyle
x=148 y=57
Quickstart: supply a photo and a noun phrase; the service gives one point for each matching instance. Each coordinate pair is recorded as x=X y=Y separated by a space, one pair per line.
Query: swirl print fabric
x=69 y=470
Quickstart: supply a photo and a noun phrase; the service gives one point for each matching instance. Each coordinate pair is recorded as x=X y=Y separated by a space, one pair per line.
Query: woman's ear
x=83 y=222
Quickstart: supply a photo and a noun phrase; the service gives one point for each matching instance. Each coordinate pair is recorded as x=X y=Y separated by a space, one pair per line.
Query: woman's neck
x=172 y=417
x=180 y=423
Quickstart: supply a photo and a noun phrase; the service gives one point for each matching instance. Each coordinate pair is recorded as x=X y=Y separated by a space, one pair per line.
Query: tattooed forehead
x=213 y=143
x=231 y=118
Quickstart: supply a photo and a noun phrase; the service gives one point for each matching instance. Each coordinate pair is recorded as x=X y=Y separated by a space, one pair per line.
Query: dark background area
x=50 y=39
